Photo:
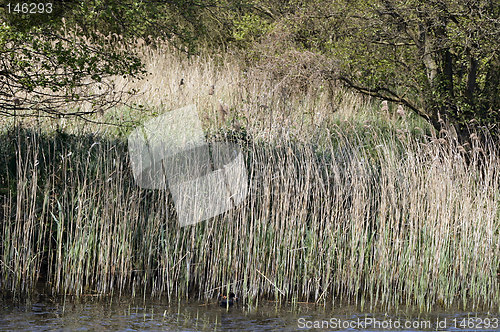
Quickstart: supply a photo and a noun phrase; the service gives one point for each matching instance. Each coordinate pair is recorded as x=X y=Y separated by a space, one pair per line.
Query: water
x=156 y=315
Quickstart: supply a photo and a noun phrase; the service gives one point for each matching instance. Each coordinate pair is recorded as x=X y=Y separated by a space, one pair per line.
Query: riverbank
x=349 y=201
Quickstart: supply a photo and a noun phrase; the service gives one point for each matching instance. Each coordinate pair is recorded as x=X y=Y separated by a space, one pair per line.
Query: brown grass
x=345 y=204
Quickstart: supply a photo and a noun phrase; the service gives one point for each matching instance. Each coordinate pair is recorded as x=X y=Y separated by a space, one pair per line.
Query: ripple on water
x=134 y=315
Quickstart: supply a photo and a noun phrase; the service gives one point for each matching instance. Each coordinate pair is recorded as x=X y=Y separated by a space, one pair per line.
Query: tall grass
x=343 y=204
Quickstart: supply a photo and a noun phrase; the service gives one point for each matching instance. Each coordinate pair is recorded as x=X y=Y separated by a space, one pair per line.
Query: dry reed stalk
x=340 y=207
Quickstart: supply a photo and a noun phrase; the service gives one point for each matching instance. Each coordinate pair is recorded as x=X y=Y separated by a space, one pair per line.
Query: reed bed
x=344 y=205
x=384 y=226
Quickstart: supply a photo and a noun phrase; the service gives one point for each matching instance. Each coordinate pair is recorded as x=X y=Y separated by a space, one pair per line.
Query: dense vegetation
x=439 y=58
x=369 y=129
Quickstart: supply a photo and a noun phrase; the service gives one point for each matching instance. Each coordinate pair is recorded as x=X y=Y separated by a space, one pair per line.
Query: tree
x=45 y=70
x=187 y=24
x=439 y=58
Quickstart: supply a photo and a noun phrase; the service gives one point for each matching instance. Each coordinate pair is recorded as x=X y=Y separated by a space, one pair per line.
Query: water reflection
x=135 y=315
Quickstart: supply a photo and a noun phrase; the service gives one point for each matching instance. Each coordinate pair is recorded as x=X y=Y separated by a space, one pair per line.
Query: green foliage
x=249 y=28
x=187 y=25
x=44 y=70
x=439 y=58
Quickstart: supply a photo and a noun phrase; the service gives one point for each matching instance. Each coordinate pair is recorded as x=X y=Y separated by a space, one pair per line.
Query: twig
x=272 y=283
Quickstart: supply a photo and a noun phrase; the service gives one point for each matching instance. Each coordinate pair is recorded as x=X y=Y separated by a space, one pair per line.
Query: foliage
x=188 y=25
x=345 y=203
x=440 y=58
x=249 y=28
x=45 y=69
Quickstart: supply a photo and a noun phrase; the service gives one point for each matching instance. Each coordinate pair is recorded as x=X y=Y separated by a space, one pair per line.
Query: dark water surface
x=155 y=315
